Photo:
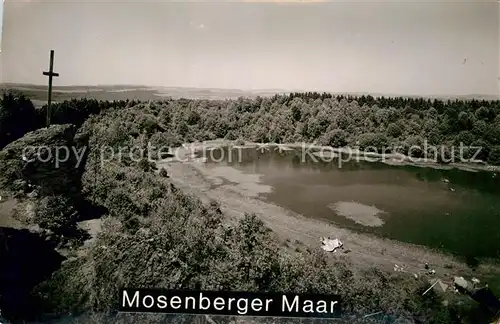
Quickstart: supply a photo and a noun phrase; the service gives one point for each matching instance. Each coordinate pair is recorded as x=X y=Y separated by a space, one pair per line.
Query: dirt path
x=7 y=206
x=238 y=194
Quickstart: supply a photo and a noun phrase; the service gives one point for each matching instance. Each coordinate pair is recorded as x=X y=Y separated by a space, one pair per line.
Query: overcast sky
x=1 y=22
x=381 y=47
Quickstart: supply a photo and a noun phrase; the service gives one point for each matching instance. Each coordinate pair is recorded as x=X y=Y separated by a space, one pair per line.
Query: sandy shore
x=7 y=206
x=238 y=193
x=327 y=153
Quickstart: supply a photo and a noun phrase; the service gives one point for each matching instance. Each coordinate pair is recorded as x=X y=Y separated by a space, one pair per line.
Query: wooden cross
x=50 y=74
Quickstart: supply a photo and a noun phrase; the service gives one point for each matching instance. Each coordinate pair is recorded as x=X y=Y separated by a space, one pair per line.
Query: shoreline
x=392 y=159
x=236 y=194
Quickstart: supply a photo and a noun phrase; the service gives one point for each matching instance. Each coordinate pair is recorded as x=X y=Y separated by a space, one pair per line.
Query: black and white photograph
x=216 y=162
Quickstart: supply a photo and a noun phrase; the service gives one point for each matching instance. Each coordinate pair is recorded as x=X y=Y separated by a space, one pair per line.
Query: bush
x=20 y=160
x=55 y=213
x=163 y=173
x=146 y=165
x=377 y=141
x=230 y=136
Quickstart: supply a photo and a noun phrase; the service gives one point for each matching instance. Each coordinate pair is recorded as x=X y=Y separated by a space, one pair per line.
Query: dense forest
x=155 y=235
x=298 y=117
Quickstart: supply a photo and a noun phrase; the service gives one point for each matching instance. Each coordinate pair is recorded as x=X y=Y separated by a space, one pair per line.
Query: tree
x=414 y=146
x=378 y=141
x=18 y=116
x=480 y=128
x=494 y=156
x=193 y=118
x=381 y=116
x=485 y=114
x=296 y=107
x=432 y=113
x=394 y=130
x=336 y=138
x=483 y=147
x=149 y=125
x=55 y=213
x=182 y=128
x=465 y=120
x=464 y=137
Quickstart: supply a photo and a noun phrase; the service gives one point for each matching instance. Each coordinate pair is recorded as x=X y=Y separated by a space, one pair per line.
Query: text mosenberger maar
x=229 y=303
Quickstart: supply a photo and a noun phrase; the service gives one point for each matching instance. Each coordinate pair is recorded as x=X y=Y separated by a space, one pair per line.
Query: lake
x=451 y=210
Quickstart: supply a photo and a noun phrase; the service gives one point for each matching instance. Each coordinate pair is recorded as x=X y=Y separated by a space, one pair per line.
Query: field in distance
x=38 y=93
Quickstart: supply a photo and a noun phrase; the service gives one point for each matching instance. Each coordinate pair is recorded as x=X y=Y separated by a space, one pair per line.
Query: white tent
x=461 y=282
x=330 y=245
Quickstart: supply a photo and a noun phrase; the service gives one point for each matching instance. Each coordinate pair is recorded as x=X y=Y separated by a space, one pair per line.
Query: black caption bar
x=229 y=303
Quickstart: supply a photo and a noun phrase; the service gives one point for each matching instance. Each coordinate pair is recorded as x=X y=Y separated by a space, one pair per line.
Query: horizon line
x=276 y=90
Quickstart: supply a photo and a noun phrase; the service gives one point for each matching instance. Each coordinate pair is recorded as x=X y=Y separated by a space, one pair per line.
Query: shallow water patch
x=359 y=213
x=246 y=184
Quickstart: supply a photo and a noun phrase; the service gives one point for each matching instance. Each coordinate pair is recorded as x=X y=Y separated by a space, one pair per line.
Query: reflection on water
x=452 y=210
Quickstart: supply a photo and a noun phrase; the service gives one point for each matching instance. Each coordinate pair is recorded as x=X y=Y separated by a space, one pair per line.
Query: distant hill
x=479 y=97
x=432 y=96
x=38 y=93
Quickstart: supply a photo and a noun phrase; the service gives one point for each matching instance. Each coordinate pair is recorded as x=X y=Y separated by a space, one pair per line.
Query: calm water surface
x=451 y=210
